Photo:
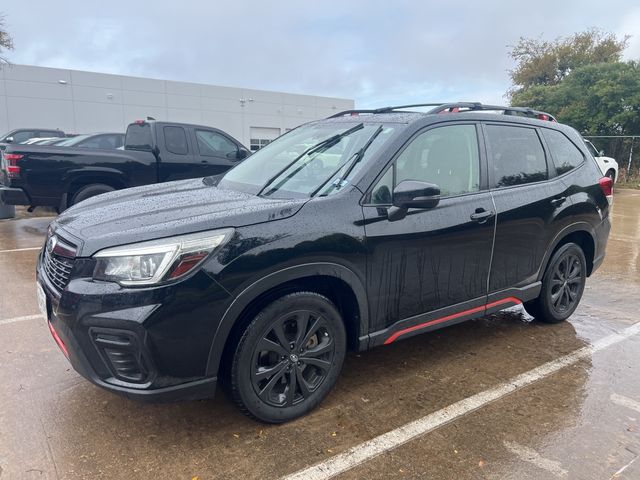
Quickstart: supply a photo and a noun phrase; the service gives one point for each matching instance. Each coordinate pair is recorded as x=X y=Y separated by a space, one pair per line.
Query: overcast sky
x=375 y=52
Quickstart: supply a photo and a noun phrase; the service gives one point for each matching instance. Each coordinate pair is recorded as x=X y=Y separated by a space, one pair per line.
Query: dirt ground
x=581 y=422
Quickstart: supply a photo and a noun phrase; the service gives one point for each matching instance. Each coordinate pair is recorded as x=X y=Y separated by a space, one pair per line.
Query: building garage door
x=261 y=136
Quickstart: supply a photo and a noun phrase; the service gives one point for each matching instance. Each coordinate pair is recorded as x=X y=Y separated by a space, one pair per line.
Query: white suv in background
x=608 y=165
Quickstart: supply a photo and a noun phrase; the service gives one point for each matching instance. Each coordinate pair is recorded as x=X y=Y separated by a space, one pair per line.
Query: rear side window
x=175 y=140
x=50 y=133
x=106 y=142
x=23 y=136
x=516 y=156
x=566 y=156
x=139 y=137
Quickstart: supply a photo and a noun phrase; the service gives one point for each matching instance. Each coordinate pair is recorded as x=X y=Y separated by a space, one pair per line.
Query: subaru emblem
x=51 y=243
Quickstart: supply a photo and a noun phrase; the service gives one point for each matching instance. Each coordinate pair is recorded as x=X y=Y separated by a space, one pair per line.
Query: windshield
x=70 y=142
x=299 y=164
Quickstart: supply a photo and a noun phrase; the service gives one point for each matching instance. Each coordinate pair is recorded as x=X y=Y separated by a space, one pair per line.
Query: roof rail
x=457 y=107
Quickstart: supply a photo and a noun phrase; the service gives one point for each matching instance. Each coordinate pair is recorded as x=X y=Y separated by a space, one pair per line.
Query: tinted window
x=23 y=136
x=139 y=136
x=447 y=156
x=516 y=156
x=175 y=140
x=50 y=133
x=106 y=142
x=565 y=154
x=591 y=148
x=213 y=144
x=381 y=193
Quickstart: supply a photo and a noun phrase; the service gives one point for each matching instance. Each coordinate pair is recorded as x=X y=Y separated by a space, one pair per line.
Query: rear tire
x=562 y=285
x=611 y=174
x=89 y=191
x=288 y=358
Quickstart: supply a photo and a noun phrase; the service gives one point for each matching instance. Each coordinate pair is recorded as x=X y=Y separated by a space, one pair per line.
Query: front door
x=433 y=261
x=217 y=153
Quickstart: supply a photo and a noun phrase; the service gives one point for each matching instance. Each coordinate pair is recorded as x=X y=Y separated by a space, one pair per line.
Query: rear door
x=528 y=198
x=177 y=154
x=434 y=262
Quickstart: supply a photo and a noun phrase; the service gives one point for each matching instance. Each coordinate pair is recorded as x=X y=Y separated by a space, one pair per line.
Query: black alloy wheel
x=562 y=285
x=289 y=357
x=566 y=283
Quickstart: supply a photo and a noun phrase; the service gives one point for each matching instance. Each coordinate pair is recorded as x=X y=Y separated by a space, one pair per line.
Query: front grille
x=58 y=269
x=58 y=260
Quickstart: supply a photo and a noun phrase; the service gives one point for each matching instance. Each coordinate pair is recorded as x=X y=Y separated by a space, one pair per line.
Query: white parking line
x=387 y=441
x=621 y=471
x=20 y=249
x=527 y=454
x=20 y=319
x=625 y=402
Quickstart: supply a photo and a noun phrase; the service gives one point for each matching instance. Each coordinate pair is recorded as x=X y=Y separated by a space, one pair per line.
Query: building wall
x=85 y=102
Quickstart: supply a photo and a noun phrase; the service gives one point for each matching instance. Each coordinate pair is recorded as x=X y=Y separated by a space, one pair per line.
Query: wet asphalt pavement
x=582 y=422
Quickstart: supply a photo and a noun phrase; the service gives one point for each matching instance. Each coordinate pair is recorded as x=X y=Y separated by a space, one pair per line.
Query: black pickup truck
x=154 y=152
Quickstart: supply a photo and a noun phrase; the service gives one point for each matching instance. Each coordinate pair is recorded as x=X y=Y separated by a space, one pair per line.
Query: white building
x=86 y=102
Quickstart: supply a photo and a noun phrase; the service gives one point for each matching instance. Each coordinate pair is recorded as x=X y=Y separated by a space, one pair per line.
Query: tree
x=583 y=82
x=541 y=62
x=600 y=99
x=6 y=42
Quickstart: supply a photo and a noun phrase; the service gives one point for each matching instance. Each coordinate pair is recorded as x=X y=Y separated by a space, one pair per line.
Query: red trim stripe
x=453 y=316
x=58 y=340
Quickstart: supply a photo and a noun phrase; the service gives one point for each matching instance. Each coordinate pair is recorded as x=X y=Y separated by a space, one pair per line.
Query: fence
x=624 y=148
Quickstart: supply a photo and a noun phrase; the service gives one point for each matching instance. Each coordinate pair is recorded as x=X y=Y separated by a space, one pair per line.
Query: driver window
x=212 y=144
x=446 y=156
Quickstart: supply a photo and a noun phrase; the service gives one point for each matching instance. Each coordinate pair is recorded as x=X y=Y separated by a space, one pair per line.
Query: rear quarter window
x=516 y=156
x=139 y=137
x=566 y=156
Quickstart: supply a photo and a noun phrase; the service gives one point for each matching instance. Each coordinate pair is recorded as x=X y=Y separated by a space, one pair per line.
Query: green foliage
x=601 y=99
x=6 y=42
x=541 y=62
x=583 y=82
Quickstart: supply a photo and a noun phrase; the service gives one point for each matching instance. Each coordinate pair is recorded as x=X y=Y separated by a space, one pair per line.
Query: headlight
x=156 y=261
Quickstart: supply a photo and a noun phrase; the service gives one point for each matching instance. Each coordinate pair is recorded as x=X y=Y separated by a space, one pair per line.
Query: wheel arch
x=582 y=234
x=76 y=180
x=339 y=283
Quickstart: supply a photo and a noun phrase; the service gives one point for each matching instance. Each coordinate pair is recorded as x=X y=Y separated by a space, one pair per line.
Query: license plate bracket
x=42 y=301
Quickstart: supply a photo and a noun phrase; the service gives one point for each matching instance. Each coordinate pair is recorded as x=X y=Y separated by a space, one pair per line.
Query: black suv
x=351 y=232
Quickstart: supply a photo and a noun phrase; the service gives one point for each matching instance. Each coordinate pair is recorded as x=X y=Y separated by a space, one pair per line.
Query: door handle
x=558 y=201
x=481 y=215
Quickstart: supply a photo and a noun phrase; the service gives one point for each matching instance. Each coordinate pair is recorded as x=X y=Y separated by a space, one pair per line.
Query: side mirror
x=242 y=153
x=601 y=153
x=8 y=140
x=412 y=194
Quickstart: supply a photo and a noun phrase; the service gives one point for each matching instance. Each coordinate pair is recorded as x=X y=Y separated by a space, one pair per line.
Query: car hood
x=162 y=210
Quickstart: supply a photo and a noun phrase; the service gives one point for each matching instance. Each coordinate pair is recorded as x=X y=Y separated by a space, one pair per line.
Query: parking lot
x=484 y=407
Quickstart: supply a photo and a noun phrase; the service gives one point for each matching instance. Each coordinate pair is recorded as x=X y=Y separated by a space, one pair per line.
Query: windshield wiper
x=357 y=157
x=323 y=145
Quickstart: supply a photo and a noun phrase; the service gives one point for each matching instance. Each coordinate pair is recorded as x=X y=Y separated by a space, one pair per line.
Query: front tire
x=288 y=358
x=562 y=285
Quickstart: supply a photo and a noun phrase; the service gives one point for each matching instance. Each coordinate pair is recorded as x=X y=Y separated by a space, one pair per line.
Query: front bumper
x=150 y=344
x=13 y=196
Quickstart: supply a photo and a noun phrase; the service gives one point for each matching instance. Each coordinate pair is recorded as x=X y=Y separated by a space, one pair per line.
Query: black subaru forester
x=351 y=232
